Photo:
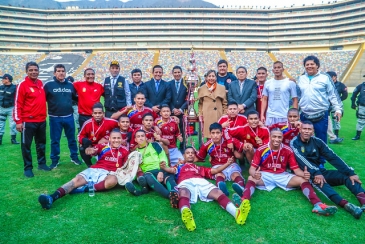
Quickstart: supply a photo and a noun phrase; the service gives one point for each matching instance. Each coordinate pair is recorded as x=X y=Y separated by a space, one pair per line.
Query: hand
x=157 y=137
x=355 y=178
x=258 y=141
x=180 y=138
x=353 y=106
x=230 y=145
x=129 y=107
x=247 y=146
x=163 y=165
x=261 y=124
x=230 y=160
x=19 y=127
x=157 y=130
x=257 y=175
x=180 y=161
x=241 y=109
x=160 y=177
x=339 y=115
x=297 y=124
x=292 y=79
x=156 y=109
x=307 y=175
x=176 y=119
x=319 y=179
x=176 y=111
x=90 y=151
x=226 y=124
x=262 y=119
x=149 y=140
x=124 y=142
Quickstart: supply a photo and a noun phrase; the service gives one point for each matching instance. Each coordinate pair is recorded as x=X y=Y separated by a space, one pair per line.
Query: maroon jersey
x=187 y=171
x=288 y=131
x=239 y=120
x=260 y=89
x=95 y=131
x=135 y=115
x=169 y=130
x=219 y=153
x=248 y=134
x=110 y=159
x=149 y=136
x=274 y=161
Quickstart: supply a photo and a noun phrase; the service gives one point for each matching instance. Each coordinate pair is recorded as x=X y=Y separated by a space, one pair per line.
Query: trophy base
x=193 y=119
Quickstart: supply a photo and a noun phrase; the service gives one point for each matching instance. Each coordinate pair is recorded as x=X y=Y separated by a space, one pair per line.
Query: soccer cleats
x=323 y=209
x=242 y=212
x=236 y=199
x=174 y=199
x=45 y=201
x=353 y=210
x=143 y=183
x=188 y=219
x=238 y=189
x=223 y=187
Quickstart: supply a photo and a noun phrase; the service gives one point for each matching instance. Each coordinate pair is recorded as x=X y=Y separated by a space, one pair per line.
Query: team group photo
x=164 y=144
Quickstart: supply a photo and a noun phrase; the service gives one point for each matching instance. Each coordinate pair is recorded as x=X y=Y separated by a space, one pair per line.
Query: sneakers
x=132 y=189
x=28 y=173
x=363 y=207
x=336 y=141
x=43 y=167
x=223 y=187
x=238 y=189
x=174 y=199
x=188 y=219
x=80 y=189
x=54 y=165
x=323 y=209
x=143 y=183
x=76 y=161
x=353 y=210
x=46 y=201
x=236 y=199
x=242 y=212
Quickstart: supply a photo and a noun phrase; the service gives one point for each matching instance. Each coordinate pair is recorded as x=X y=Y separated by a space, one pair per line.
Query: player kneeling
x=191 y=184
x=267 y=171
x=103 y=173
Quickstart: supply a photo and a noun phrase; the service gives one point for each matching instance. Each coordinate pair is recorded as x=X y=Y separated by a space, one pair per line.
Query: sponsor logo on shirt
x=61 y=90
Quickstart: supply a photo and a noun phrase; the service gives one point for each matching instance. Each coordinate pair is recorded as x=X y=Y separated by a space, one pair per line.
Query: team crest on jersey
x=120 y=84
x=171 y=128
x=95 y=90
x=281 y=158
x=31 y=89
x=248 y=137
x=302 y=149
x=84 y=89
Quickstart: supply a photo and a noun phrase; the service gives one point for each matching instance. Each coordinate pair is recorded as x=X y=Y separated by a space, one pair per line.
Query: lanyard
x=272 y=157
x=93 y=134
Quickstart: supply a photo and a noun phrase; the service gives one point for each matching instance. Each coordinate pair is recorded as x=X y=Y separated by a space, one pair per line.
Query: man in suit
x=116 y=91
x=178 y=104
x=157 y=91
x=243 y=92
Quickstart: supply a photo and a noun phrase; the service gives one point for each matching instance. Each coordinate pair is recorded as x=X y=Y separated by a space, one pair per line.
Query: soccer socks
x=231 y=209
x=60 y=192
x=343 y=202
x=184 y=202
x=219 y=179
x=100 y=186
x=249 y=190
x=240 y=181
x=309 y=193
x=170 y=183
x=361 y=198
x=156 y=186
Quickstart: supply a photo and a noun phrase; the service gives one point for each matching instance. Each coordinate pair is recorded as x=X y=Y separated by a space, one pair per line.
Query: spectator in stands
x=318 y=92
x=116 y=91
x=74 y=105
x=157 y=91
x=224 y=77
x=137 y=84
x=212 y=102
x=261 y=76
x=243 y=92
x=178 y=104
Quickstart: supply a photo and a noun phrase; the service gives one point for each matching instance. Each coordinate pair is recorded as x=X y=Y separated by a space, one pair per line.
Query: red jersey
x=288 y=132
x=187 y=171
x=260 y=89
x=239 y=120
x=110 y=159
x=274 y=161
x=169 y=130
x=135 y=115
x=149 y=136
x=95 y=131
x=248 y=134
x=89 y=93
x=30 y=102
x=219 y=153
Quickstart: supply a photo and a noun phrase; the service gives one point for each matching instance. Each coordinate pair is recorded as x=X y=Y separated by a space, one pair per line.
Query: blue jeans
x=56 y=125
x=320 y=127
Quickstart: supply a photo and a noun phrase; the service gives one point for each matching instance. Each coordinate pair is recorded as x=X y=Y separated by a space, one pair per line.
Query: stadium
x=141 y=37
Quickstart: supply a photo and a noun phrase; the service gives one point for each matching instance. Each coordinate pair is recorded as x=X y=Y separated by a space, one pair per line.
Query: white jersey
x=279 y=93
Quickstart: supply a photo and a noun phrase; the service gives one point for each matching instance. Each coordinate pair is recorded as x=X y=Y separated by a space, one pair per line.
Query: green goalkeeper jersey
x=152 y=156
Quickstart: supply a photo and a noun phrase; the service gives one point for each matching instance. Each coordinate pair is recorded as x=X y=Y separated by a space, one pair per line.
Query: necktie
x=241 y=86
x=112 y=85
x=177 y=86
x=157 y=85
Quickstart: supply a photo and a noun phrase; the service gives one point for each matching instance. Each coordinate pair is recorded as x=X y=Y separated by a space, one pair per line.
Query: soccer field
x=118 y=217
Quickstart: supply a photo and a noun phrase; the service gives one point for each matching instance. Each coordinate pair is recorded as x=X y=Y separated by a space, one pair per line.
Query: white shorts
x=273 y=120
x=96 y=175
x=175 y=155
x=198 y=187
x=229 y=170
x=273 y=180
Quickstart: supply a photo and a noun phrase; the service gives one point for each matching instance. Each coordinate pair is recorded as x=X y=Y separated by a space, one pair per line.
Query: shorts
x=273 y=120
x=96 y=175
x=272 y=180
x=175 y=155
x=198 y=187
x=229 y=170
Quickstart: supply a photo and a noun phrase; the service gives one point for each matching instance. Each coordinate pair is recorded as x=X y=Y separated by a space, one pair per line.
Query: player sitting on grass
x=291 y=128
x=252 y=134
x=217 y=148
x=232 y=119
x=267 y=171
x=152 y=155
x=191 y=184
x=111 y=157
x=170 y=131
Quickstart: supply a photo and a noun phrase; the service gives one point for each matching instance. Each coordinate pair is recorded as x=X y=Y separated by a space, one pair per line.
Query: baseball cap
x=7 y=76
x=114 y=62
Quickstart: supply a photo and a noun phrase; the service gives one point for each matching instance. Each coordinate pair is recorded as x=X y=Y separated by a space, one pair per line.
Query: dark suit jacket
x=178 y=100
x=248 y=97
x=153 y=98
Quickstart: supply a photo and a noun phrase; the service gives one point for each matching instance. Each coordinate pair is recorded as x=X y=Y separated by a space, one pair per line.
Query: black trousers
x=36 y=130
x=109 y=113
x=85 y=157
x=336 y=178
x=82 y=119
